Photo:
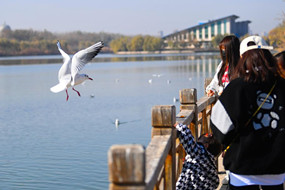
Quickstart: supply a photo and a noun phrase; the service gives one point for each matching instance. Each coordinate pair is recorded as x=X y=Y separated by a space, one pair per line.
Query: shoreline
x=166 y=51
x=57 y=56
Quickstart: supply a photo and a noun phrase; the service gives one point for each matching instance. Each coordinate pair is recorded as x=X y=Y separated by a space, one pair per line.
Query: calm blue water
x=48 y=143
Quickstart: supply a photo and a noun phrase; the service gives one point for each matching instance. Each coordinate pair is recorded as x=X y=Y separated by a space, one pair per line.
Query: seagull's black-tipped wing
x=81 y=58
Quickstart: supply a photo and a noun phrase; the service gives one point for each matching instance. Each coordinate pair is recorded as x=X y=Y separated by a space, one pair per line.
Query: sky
x=134 y=17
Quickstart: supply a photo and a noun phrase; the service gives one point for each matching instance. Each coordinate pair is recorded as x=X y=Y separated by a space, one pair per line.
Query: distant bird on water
x=68 y=75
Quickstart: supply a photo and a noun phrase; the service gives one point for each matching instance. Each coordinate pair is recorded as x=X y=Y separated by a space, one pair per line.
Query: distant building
x=205 y=31
x=4 y=28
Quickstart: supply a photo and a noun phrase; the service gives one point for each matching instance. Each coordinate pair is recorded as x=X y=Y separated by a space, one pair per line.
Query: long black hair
x=229 y=57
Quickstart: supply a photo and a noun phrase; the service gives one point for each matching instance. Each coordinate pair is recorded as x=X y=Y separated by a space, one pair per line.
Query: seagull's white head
x=80 y=79
x=87 y=77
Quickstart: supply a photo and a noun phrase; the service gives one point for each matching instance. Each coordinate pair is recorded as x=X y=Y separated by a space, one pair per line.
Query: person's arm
x=213 y=87
x=187 y=140
x=229 y=112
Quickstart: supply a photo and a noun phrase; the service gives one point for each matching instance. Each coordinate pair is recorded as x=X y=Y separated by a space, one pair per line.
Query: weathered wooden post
x=127 y=167
x=205 y=118
x=163 y=120
x=210 y=106
x=188 y=100
x=180 y=155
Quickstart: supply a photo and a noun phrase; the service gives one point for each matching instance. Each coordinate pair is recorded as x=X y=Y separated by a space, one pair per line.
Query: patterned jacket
x=257 y=141
x=199 y=170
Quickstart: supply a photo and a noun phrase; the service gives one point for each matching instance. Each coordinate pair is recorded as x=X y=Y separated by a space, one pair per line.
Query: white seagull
x=68 y=75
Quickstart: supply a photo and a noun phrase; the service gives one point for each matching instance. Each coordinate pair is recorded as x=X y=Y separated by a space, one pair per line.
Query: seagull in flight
x=68 y=75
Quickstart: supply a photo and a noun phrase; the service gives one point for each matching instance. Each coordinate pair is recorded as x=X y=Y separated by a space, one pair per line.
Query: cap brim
x=259 y=47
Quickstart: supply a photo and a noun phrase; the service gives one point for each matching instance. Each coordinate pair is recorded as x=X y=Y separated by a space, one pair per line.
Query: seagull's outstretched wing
x=64 y=73
x=81 y=58
x=65 y=68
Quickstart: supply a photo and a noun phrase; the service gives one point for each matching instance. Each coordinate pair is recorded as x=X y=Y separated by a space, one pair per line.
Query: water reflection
x=25 y=60
x=48 y=143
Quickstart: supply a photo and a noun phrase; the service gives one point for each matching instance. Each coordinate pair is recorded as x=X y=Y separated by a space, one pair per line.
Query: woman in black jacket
x=249 y=119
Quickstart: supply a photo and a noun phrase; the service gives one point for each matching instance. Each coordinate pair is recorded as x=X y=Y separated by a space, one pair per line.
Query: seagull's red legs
x=67 y=96
x=76 y=91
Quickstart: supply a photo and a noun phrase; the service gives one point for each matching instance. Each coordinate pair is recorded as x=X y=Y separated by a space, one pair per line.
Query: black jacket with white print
x=257 y=148
x=199 y=170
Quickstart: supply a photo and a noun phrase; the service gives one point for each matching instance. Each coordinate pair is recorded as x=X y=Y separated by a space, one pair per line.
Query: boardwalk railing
x=159 y=164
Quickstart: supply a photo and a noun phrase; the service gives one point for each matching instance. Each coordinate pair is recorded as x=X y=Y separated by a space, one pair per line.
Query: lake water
x=48 y=143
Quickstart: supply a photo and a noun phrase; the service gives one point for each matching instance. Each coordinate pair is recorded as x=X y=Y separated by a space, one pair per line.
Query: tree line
x=136 y=43
x=30 y=42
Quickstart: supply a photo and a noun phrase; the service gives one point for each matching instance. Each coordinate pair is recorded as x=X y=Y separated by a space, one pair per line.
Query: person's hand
x=175 y=124
x=210 y=93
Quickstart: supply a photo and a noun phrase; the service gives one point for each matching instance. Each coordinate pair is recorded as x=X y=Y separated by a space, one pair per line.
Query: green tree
x=147 y=45
x=137 y=43
x=121 y=44
x=217 y=39
x=276 y=36
x=173 y=44
x=157 y=44
x=152 y=43
x=9 y=47
x=170 y=44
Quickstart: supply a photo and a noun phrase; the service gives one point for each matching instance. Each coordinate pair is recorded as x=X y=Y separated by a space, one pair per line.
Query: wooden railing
x=159 y=164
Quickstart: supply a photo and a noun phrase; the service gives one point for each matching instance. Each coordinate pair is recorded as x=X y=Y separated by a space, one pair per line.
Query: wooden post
x=204 y=126
x=206 y=120
x=163 y=120
x=188 y=100
x=180 y=155
x=126 y=167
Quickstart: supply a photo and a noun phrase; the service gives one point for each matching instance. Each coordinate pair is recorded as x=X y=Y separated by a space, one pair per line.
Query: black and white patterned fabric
x=199 y=170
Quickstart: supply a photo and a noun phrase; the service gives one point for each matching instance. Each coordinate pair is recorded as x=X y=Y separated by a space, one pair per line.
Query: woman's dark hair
x=229 y=57
x=256 y=65
x=214 y=147
x=280 y=55
x=281 y=63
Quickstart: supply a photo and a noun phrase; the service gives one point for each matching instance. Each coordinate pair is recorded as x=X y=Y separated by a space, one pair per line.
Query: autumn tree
x=217 y=39
x=136 y=43
x=152 y=43
x=276 y=36
x=121 y=44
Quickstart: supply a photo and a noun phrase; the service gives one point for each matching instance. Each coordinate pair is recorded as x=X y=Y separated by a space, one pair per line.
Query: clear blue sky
x=132 y=17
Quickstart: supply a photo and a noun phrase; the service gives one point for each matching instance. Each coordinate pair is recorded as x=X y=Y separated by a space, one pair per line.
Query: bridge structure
x=159 y=165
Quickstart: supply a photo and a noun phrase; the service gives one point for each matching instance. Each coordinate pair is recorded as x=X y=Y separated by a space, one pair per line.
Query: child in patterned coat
x=199 y=169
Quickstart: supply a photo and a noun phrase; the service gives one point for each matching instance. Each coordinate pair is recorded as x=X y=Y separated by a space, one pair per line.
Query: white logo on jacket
x=265 y=117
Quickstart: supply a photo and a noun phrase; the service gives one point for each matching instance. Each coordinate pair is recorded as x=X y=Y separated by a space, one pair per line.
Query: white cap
x=260 y=44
